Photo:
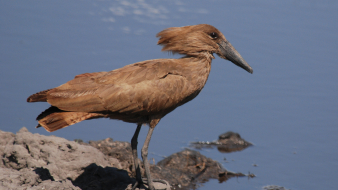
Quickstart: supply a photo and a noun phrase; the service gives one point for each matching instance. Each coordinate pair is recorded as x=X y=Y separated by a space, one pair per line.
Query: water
x=287 y=108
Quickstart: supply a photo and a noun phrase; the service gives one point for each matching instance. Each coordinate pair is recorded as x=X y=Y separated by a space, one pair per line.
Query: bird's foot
x=159 y=184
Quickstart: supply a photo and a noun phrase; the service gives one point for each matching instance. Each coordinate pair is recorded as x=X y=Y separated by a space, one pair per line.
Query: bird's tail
x=38 y=97
x=53 y=118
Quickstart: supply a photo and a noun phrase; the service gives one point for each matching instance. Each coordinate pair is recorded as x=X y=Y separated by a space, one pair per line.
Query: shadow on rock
x=227 y=142
x=121 y=151
x=96 y=177
x=43 y=174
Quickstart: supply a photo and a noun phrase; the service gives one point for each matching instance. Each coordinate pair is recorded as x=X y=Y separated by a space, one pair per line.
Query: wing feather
x=142 y=88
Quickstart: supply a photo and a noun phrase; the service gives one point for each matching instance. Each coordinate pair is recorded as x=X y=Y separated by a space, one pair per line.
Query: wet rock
x=188 y=168
x=230 y=142
x=227 y=142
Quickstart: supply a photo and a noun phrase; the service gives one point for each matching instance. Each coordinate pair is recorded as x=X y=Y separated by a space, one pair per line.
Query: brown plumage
x=142 y=92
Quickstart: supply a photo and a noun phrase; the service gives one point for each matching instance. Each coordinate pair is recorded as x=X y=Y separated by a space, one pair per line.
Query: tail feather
x=39 y=97
x=50 y=110
x=53 y=118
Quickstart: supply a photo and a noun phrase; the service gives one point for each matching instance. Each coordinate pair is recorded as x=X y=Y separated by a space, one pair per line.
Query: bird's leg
x=145 y=157
x=135 y=157
x=144 y=152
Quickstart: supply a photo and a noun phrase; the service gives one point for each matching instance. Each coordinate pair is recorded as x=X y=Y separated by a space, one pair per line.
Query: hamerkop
x=142 y=92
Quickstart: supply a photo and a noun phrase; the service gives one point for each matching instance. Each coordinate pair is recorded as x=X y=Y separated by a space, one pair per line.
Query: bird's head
x=200 y=40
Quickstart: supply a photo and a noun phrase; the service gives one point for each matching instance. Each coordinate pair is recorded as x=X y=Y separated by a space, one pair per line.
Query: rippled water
x=287 y=108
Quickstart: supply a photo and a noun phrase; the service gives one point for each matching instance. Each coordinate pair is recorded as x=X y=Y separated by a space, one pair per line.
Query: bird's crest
x=190 y=40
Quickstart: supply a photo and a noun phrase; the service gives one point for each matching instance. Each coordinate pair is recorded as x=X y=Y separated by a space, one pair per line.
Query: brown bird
x=142 y=92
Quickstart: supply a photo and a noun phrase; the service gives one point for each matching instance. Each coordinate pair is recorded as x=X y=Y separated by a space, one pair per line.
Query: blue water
x=288 y=108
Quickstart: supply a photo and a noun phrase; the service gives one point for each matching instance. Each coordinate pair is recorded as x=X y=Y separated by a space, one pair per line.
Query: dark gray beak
x=229 y=52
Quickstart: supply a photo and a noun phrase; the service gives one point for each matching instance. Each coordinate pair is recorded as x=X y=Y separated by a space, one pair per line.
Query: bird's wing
x=77 y=94
x=144 y=87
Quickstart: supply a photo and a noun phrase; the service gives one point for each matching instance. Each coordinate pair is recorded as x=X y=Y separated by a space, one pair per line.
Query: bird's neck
x=197 y=69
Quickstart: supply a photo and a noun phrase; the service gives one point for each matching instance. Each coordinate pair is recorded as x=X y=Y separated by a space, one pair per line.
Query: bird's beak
x=229 y=52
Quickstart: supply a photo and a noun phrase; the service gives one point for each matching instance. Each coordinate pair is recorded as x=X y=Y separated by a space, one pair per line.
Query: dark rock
x=188 y=168
x=227 y=142
x=230 y=142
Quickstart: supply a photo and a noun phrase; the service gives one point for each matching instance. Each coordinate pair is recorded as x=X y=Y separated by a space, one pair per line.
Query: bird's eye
x=213 y=35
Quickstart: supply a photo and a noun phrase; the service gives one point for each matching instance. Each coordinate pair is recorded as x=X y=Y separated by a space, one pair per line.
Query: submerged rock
x=274 y=187
x=227 y=142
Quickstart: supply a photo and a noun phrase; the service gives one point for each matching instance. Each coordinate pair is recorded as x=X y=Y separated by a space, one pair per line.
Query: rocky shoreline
x=34 y=161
